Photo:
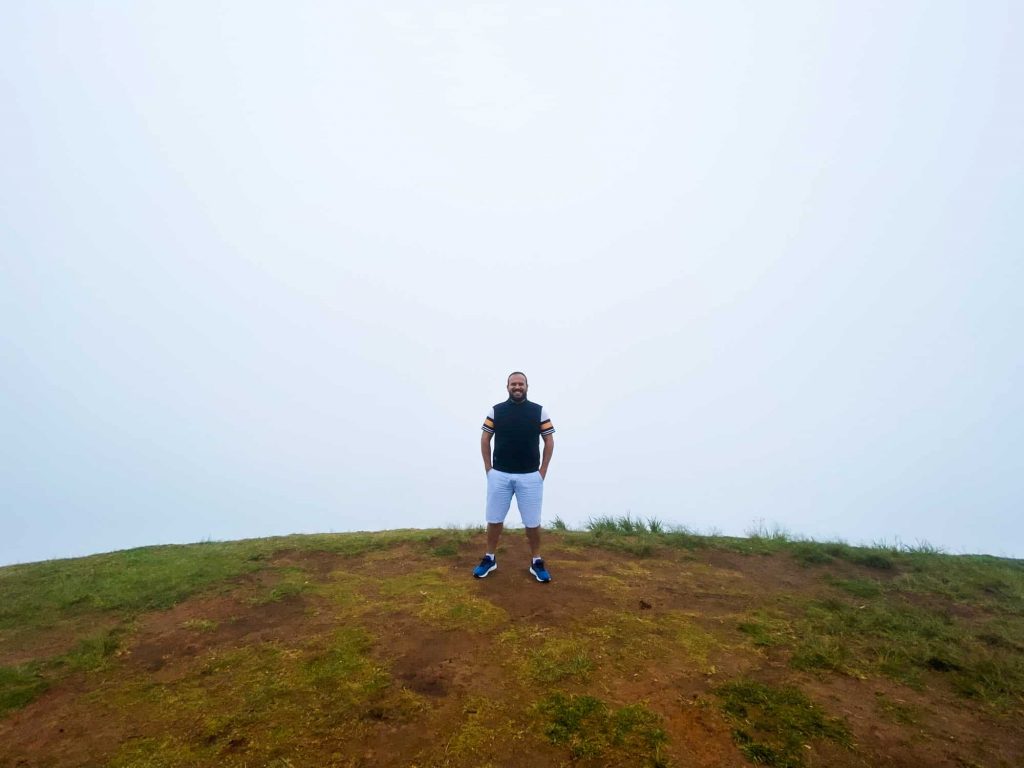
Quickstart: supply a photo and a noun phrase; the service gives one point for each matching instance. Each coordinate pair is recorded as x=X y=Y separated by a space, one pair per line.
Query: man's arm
x=549 y=448
x=485 y=449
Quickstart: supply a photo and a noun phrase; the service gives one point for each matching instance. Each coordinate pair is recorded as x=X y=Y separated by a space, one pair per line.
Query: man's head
x=517 y=386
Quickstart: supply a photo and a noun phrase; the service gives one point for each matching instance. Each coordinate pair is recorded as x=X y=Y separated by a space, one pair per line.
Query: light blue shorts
x=528 y=490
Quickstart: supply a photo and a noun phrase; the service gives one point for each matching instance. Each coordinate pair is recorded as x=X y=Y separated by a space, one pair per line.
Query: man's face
x=517 y=387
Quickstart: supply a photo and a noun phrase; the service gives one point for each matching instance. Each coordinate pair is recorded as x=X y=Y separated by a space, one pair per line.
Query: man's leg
x=499 y=498
x=493 y=534
x=530 y=497
x=533 y=536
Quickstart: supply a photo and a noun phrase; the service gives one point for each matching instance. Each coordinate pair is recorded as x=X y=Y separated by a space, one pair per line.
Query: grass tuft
x=93 y=652
x=294 y=581
x=560 y=658
x=857 y=587
x=625 y=524
x=773 y=726
x=774 y=533
x=811 y=553
x=766 y=630
x=20 y=685
x=594 y=731
x=199 y=625
x=344 y=666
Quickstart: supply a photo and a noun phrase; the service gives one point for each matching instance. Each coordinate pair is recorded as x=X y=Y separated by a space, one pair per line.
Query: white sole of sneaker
x=484 y=575
x=538 y=578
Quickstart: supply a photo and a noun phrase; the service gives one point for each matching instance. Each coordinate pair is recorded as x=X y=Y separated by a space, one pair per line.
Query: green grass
x=890 y=637
x=271 y=698
x=74 y=595
x=597 y=734
x=447 y=549
x=623 y=524
x=774 y=533
x=92 y=652
x=897 y=711
x=559 y=658
x=773 y=726
x=768 y=630
x=544 y=656
x=907 y=642
x=165 y=752
x=344 y=669
x=200 y=625
x=19 y=685
x=638 y=537
x=866 y=588
x=155 y=578
x=993 y=583
x=869 y=559
x=936 y=619
x=810 y=553
x=293 y=582
x=151 y=578
x=433 y=596
x=901 y=625
x=487 y=728
x=913 y=614
x=644 y=536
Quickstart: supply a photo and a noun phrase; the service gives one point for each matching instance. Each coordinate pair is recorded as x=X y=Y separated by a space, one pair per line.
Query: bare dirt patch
x=432 y=662
x=909 y=728
x=19 y=646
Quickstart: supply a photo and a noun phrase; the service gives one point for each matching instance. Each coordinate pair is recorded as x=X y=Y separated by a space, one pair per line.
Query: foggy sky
x=266 y=266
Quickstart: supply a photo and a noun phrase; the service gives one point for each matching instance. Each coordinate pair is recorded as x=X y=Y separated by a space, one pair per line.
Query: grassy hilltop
x=650 y=647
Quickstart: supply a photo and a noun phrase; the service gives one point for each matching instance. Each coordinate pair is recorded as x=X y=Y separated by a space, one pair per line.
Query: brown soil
x=21 y=646
x=452 y=678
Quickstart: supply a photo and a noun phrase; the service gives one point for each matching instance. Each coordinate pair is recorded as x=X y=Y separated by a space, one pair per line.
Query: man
x=517 y=426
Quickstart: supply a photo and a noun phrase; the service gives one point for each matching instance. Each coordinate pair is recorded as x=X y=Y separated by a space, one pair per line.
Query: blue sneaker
x=540 y=572
x=487 y=564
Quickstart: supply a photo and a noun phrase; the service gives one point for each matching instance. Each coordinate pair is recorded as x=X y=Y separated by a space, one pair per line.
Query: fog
x=266 y=267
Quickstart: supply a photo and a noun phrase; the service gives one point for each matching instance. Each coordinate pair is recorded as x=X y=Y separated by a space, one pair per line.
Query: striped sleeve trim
x=488 y=425
x=546 y=428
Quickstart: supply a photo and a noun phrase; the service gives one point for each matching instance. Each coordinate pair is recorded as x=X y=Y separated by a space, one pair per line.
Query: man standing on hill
x=517 y=427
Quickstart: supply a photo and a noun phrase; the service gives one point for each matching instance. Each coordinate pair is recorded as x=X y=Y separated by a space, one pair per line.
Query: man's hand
x=543 y=472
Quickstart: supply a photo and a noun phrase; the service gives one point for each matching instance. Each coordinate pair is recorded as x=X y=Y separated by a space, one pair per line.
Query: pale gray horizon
x=265 y=267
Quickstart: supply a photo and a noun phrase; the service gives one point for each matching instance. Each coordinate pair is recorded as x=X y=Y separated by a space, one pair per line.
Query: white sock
x=489 y=554
x=536 y=558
